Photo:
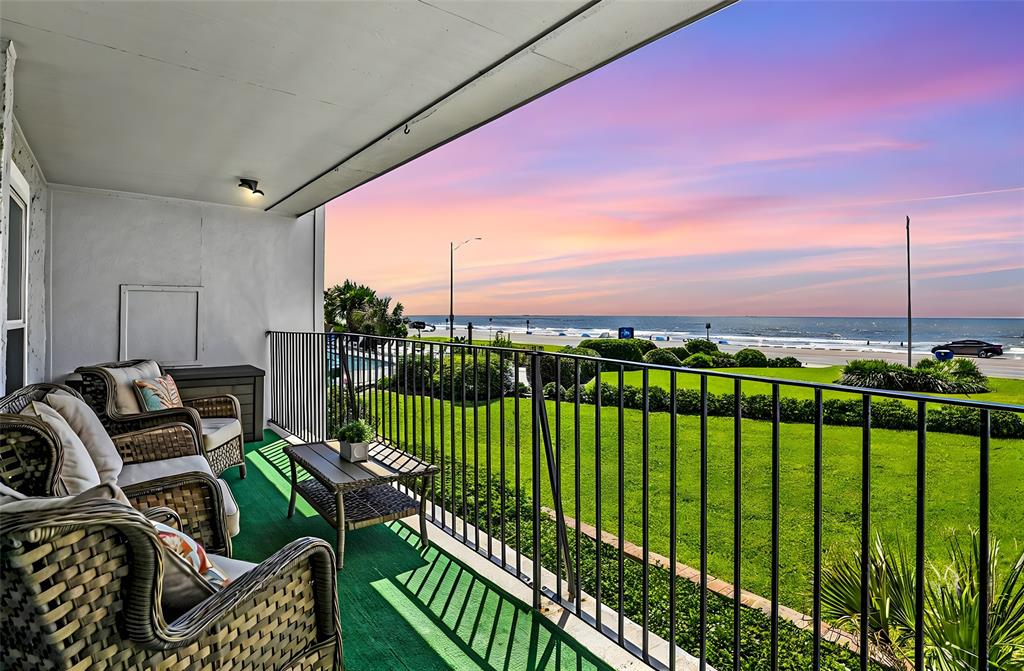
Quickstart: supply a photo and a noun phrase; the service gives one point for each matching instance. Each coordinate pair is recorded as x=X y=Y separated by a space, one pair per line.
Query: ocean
x=855 y=333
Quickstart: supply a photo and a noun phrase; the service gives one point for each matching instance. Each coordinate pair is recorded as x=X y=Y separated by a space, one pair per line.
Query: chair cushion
x=219 y=430
x=125 y=400
x=86 y=425
x=77 y=472
x=133 y=474
x=157 y=393
x=13 y=501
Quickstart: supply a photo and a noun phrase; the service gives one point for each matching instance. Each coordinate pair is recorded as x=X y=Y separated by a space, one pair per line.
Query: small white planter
x=353 y=452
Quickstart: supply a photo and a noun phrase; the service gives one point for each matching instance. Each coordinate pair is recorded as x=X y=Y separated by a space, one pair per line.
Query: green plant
x=680 y=351
x=958 y=376
x=751 y=358
x=356 y=431
x=699 y=346
x=699 y=360
x=662 y=357
x=485 y=376
x=613 y=348
x=645 y=345
x=723 y=360
x=952 y=605
x=549 y=371
x=553 y=392
x=784 y=362
x=357 y=308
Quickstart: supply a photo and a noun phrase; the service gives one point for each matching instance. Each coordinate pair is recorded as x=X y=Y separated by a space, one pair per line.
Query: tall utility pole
x=451 y=285
x=910 y=322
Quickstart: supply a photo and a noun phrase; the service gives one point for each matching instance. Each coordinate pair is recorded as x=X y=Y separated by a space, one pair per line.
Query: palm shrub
x=958 y=376
x=662 y=357
x=951 y=609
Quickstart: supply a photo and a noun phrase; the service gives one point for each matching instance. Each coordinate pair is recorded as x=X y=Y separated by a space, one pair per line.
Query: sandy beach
x=1009 y=366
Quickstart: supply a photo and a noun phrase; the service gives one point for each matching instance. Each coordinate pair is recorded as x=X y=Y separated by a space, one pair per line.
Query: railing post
x=542 y=431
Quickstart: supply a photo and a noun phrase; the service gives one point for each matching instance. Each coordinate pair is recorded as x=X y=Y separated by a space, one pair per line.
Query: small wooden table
x=355 y=495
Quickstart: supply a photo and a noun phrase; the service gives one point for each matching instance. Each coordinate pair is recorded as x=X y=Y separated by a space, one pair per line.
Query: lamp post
x=707 y=327
x=451 y=286
x=910 y=324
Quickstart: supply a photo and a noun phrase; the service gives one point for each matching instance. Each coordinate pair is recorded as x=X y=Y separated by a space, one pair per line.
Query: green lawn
x=1004 y=390
x=951 y=483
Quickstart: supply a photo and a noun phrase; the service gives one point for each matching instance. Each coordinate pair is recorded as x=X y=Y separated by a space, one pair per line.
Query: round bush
x=723 y=360
x=568 y=366
x=662 y=358
x=698 y=360
x=751 y=358
x=698 y=346
x=552 y=393
x=646 y=345
x=613 y=348
x=681 y=352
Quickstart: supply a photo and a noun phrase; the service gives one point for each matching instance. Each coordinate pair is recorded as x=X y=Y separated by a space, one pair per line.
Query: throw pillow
x=157 y=393
x=87 y=426
x=78 y=473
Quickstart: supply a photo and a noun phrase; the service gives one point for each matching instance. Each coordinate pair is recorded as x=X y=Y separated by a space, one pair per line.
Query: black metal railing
x=471 y=409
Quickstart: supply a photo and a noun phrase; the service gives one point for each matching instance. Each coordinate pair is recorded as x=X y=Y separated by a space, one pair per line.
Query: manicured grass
x=951 y=467
x=1004 y=390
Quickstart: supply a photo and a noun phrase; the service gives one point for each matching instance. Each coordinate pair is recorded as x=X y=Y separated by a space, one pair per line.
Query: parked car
x=978 y=348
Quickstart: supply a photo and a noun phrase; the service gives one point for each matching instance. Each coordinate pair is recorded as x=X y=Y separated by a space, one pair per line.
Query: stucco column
x=8 y=56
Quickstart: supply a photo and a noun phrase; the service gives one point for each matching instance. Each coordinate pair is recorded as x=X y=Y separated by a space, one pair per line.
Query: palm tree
x=357 y=308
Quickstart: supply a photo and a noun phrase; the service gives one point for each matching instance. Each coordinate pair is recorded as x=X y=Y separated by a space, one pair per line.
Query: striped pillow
x=157 y=393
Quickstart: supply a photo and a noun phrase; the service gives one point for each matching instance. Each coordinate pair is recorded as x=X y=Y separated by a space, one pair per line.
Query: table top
x=205 y=372
x=386 y=464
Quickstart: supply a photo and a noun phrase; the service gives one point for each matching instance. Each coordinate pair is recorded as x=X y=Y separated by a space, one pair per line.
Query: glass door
x=17 y=279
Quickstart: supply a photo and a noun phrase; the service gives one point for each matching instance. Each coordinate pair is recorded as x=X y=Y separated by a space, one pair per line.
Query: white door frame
x=23 y=194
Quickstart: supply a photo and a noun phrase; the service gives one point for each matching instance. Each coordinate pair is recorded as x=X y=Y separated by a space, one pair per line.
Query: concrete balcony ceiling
x=180 y=99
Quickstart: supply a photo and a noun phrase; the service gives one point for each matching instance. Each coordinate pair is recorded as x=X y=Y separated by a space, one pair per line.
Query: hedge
x=548 y=369
x=885 y=413
x=662 y=357
x=751 y=358
x=698 y=346
x=628 y=349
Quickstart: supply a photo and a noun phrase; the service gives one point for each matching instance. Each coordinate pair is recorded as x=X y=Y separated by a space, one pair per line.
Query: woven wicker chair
x=81 y=589
x=31 y=456
x=98 y=388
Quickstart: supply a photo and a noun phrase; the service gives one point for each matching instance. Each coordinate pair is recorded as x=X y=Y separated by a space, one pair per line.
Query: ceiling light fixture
x=250 y=184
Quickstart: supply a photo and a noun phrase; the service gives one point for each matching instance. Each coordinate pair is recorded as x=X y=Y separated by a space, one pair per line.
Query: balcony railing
x=567 y=477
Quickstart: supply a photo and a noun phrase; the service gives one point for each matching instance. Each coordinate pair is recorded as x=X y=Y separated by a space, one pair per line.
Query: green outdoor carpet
x=401 y=609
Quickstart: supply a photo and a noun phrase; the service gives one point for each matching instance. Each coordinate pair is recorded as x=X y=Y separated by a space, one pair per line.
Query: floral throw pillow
x=193 y=554
x=157 y=393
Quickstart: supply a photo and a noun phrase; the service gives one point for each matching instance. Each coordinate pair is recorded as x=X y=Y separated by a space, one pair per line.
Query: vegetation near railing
x=747 y=486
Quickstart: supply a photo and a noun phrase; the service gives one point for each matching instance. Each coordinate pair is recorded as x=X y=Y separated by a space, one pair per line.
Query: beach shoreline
x=1008 y=366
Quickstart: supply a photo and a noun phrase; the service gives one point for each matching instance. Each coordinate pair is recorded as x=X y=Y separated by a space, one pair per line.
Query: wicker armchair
x=81 y=589
x=205 y=415
x=31 y=457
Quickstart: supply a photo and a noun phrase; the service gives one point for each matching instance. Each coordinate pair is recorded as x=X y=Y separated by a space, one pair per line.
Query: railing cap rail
x=617 y=363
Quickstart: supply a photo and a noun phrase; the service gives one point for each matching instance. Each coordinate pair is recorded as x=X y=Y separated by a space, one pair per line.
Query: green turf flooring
x=401 y=609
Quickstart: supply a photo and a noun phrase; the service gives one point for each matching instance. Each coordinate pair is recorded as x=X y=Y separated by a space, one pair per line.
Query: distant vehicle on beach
x=978 y=348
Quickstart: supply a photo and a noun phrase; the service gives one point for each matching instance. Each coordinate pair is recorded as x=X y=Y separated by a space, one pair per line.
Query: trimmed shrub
x=548 y=367
x=662 y=358
x=646 y=345
x=698 y=346
x=553 y=394
x=785 y=362
x=681 y=352
x=658 y=399
x=412 y=373
x=751 y=358
x=478 y=378
x=723 y=360
x=698 y=361
x=613 y=348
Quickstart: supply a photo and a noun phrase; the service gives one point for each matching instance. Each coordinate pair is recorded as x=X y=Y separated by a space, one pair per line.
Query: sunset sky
x=759 y=162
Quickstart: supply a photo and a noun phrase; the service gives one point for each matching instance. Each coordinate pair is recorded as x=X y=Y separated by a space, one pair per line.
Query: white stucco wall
x=259 y=271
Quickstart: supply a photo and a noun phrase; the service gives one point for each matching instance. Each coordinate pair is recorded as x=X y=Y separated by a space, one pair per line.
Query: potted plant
x=354 y=440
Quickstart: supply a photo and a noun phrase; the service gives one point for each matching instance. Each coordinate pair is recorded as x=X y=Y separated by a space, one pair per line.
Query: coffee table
x=355 y=495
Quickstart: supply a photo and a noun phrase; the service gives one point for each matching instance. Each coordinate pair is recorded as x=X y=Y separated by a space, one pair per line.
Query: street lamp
x=451 y=286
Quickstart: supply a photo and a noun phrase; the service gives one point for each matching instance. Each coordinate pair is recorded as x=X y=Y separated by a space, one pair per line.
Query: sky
x=758 y=162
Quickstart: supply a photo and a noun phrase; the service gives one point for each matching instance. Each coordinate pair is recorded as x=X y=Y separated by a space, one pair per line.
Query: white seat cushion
x=219 y=430
x=125 y=400
x=87 y=426
x=133 y=474
x=233 y=568
x=77 y=471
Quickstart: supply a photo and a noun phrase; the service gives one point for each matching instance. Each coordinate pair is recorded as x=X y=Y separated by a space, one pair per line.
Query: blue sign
x=625 y=332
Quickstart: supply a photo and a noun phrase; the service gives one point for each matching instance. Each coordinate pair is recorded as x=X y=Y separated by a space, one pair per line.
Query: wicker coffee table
x=355 y=495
